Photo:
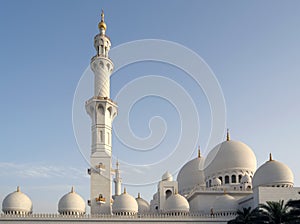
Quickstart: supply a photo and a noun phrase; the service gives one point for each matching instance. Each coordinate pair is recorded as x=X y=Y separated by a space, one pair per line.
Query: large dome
x=71 y=204
x=17 y=203
x=143 y=205
x=177 y=204
x=191 y=175
x=273 y=174
x=229 y=156
x=125 y=204
x=225 y=203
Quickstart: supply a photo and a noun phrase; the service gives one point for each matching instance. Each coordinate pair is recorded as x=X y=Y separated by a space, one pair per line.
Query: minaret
x=117 y=180
x=102 y=111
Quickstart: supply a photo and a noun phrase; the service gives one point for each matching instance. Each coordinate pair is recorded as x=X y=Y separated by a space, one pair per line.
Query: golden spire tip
x=18 y=188
x=139 y=195
x=125 y=190
x=72 y=189
x=102 y=15
x=199 y=152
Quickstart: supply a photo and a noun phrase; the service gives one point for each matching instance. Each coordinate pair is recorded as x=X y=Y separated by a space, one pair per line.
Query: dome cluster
x=230 y=166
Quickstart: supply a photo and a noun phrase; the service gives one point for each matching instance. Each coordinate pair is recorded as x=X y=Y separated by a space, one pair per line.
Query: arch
x=240 y=177
x=109 y=110
x=168 y=193
x=101 y=109
x=233 y=178
x=221 y=179
x=226 y=179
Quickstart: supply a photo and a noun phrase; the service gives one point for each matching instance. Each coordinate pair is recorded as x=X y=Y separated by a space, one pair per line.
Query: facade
x=207 y=190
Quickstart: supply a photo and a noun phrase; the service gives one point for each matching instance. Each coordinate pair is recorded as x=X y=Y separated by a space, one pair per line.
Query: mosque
x=207 y=190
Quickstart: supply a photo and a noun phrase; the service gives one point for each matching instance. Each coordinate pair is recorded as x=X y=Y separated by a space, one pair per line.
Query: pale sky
x=252 y=47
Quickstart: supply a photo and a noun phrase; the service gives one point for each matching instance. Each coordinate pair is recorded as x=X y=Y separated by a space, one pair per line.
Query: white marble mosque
x=207 y=190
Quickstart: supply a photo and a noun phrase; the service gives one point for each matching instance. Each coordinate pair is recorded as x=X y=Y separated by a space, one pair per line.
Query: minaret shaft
x=102 y=111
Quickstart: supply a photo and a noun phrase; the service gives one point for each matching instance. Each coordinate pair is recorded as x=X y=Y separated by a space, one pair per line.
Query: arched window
x=221 y=179
x=209 y=183
x=240 y=178
x=168 y=193
x=233 y=179
x=226 y=179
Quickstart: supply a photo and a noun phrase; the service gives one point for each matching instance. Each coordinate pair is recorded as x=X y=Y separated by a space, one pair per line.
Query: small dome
x=177 y=203
x=17 y=203
x=225 y=203
x=246 y=179
x=143 y=205
x=71 y=204
x=216 y=182
x=191 y=175
x=167 y=176
x=229 y=156
x=125 y=204
x=273 y=174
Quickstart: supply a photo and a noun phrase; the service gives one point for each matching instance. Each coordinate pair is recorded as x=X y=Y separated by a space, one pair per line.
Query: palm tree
x=247 y=216
x=275 y=212
x=294 y=212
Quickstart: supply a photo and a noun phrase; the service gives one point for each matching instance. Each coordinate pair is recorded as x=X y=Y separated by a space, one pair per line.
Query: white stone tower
x=117 y=180
x=102 y=111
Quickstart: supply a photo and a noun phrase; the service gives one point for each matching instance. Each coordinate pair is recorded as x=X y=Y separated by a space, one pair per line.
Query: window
x=233 y=179
x=168 y=193
x=226 y=179
x=240 y=178
x=221 y=179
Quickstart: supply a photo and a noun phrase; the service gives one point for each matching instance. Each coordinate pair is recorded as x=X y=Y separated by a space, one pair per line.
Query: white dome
x=246 y=179
x=143 y=205
x=229 y=156
x=71 y=204
x=225 y=203
x=273 y=173
x=167 y=176
x=191 y=175
x=17 y=203
x=125 y=204
x=216 y=182
x=177 y=203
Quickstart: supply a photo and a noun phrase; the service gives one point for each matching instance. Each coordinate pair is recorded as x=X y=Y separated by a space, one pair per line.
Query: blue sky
x=251 y=46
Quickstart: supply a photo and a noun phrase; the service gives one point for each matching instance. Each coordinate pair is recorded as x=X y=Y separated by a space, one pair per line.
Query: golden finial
x=72 y=189
x=270 y=157
x=18 y=189
x=102 y=25
x=117 y=164
x=227 y=135
x=199 y=152
x=139 y=195
x=125 y=190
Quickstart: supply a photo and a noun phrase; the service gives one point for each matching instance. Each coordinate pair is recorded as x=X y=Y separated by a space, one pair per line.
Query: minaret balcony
x=100 y=199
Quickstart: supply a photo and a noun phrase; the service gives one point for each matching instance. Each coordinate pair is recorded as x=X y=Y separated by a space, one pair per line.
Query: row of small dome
x=73 y=204
x=231 y=157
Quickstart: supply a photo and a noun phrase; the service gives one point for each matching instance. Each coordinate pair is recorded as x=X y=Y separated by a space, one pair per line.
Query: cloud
x=31 y=170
